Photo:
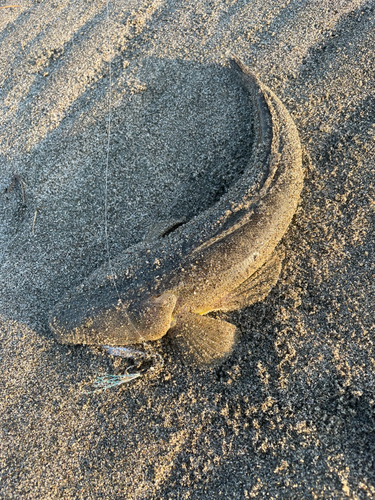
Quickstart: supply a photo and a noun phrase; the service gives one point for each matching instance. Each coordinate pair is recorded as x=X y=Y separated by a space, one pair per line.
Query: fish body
x=221 y=260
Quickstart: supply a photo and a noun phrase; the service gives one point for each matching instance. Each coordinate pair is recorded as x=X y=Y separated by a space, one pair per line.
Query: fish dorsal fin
x=203 y=340
x=163 y=228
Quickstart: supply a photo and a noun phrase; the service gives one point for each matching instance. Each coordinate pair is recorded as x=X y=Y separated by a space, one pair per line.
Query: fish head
x=107 y=315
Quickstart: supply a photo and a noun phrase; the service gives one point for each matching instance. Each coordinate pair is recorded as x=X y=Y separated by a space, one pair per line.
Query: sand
x=291 y=414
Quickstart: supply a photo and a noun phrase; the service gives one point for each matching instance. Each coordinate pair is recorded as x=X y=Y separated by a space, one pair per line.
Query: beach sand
x=291 y=414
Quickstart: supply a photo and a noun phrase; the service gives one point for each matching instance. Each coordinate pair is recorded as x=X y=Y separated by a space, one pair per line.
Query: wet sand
x=291 y=414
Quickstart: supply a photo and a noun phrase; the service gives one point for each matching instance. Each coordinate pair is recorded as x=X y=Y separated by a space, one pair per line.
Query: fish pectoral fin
x=163 y=228
x=256 y=287
x=201 y=339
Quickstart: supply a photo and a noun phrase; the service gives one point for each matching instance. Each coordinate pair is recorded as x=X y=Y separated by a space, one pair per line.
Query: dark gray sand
x=291 y=414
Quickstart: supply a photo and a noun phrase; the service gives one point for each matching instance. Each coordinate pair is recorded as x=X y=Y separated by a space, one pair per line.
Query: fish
x=226 y=258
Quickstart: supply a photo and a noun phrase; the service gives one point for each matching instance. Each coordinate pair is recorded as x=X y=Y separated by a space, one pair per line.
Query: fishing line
x=109 y=123
x=109 y=99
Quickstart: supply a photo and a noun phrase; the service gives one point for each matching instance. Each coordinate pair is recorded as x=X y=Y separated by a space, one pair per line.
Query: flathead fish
x=221 y=260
